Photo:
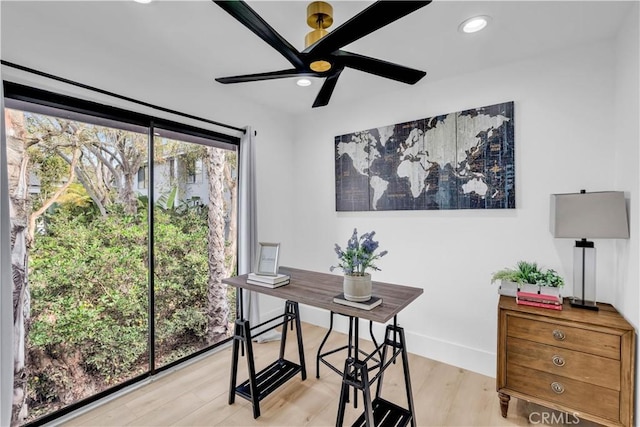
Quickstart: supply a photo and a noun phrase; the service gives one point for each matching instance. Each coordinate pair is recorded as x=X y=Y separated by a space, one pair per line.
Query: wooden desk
x=318 y=290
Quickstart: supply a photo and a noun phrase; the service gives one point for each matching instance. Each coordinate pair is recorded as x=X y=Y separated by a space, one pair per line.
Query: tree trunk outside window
x=19 y=209
x=218 y=312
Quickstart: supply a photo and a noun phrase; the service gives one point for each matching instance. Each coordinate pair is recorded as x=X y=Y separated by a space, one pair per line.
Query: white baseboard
x=471 y=359
x=455 y=354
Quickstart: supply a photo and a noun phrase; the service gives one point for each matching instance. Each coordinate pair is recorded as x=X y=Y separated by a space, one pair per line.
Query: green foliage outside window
x=89 y=308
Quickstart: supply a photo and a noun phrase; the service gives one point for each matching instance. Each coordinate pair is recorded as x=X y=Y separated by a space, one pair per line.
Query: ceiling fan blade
x=327 y=88
x=379 y=67
x=373 y=18
x=283 y=74
x=250 y=19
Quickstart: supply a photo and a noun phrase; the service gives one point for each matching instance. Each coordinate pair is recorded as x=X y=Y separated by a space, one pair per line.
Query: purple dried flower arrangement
x=359 y=254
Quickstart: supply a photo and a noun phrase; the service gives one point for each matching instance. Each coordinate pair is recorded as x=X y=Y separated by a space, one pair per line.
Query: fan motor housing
x=319 y=15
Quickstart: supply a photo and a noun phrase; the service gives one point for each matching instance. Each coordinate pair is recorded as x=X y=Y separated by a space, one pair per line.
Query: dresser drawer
x=572 y=359
x=576 y=365
x=602 y=402
x=561 y=335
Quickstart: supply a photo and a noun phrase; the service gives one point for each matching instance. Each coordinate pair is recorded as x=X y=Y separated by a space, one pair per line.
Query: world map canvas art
x=462 y=160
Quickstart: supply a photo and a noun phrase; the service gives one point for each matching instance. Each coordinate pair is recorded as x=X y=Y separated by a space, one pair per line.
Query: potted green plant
x=527 y=277
x=550 y=283
x=513 y=280
x=509 y=281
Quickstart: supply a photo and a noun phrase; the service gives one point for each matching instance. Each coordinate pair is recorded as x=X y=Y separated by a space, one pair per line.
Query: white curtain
x=6 y=283
x=248 y=226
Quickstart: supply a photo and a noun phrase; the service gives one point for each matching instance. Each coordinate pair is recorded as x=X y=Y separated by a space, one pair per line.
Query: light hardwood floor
x=197 y=394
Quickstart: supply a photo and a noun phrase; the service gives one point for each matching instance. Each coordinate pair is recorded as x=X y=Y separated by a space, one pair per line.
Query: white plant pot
x=554 y=291
x=357 y=288
x=531 y=288
x=507 y=288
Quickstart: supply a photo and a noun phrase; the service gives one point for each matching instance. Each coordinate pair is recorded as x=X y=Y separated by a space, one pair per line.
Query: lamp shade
x=598 y=215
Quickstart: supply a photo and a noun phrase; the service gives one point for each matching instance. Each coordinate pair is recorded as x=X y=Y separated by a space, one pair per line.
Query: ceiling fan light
x=320 y=66
x=475 y=24
x=303 y=82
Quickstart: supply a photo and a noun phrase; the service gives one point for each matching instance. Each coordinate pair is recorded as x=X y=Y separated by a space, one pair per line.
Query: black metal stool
x=350 y=346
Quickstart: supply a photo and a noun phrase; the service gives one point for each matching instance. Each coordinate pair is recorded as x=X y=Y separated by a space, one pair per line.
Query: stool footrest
x=270 y=378
x=386 y=414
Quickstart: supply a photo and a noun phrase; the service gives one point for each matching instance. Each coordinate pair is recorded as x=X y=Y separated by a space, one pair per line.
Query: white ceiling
x=196 y=41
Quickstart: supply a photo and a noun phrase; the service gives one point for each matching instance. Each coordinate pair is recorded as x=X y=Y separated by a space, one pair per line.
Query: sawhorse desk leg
x=243 y=334
x=356 y=374
x=261 y=384
x=292 y=314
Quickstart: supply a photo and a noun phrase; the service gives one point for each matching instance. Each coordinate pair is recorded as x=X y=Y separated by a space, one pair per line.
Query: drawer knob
x=557 y=387
x=558 y=335
x=558 y=360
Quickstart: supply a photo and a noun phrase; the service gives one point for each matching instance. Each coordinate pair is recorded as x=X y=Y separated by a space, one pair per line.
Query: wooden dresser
x=574 y=360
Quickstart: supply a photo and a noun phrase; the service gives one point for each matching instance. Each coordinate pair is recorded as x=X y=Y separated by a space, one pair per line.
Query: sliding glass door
x=194 y=225
x=85 y=286
x=94 y=202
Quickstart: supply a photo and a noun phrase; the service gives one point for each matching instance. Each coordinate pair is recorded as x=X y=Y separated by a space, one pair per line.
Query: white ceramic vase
x=357 y=288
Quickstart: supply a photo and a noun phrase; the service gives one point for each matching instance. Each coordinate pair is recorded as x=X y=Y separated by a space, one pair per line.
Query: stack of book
x=552 y=302
x=364 y=305
x=268 y=281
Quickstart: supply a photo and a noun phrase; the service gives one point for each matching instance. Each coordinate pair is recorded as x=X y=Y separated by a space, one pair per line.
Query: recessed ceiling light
x=303 y=82
x=143 y=1
x=474 y=24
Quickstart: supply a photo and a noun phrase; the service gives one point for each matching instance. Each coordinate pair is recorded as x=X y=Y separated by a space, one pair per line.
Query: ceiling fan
x=323 y=56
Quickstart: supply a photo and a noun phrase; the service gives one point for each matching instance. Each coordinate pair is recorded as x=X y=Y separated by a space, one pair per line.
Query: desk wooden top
x=319 y=289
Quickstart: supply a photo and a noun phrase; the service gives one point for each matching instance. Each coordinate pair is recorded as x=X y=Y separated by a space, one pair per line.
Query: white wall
x=627 y=176
x=564 y=111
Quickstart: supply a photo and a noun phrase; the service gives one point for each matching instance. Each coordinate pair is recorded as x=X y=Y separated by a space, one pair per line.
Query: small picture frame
x=267 y=263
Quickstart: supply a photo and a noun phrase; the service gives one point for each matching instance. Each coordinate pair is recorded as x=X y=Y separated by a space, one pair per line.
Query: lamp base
x=589 y=305
x=584 y=275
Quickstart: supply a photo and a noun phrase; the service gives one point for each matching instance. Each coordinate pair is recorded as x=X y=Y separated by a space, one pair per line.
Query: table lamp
x=597 y=215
